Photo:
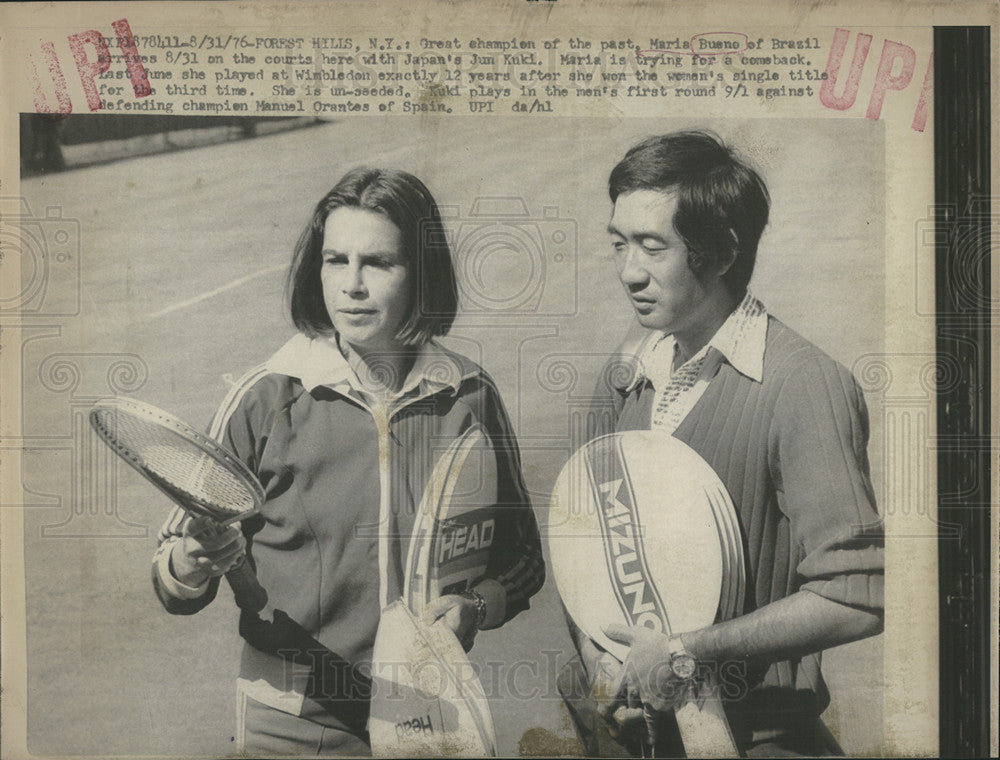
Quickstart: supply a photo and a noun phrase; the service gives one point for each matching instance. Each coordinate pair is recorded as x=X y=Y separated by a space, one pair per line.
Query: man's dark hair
x=722 y=204
x=406 y=202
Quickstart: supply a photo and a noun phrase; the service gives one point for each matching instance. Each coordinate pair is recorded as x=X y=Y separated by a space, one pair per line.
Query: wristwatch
x=480 y=601
x=682 y=664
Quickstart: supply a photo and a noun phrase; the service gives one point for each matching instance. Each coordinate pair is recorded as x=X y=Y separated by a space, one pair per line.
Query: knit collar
x=740 y=341
x=318 y=361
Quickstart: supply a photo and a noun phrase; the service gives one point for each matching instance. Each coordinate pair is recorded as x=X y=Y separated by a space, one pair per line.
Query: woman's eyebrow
x=385 y=255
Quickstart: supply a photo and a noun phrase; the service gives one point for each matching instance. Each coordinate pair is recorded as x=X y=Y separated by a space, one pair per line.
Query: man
x=782 y=424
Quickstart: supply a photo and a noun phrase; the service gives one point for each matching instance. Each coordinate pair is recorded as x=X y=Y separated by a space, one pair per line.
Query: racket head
x=641 y=531
x=190 y=468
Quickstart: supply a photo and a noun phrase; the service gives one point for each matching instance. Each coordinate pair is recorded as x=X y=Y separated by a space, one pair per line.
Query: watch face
x=684 y=666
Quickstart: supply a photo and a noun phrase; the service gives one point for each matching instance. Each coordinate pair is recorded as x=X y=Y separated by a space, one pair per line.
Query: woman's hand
x=459 y=613
x=205 y=551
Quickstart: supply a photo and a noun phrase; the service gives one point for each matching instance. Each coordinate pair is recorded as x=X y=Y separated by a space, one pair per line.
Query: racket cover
x=426 y=698
x=453 y=531
x=641 y=531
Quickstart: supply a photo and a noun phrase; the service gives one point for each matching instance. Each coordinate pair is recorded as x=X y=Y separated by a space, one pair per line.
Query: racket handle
x=703 y=725
x=247 y=591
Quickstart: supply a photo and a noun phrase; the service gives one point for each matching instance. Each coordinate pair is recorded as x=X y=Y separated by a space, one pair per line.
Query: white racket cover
x=641 y=532
x=453 y=530
x=427 y=700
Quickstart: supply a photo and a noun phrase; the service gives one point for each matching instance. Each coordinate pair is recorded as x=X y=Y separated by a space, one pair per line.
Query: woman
x=340 y=426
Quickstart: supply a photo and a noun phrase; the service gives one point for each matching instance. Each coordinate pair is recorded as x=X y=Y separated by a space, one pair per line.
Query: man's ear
x=729 y=257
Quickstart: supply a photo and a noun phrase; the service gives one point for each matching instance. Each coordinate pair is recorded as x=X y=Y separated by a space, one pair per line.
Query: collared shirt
x=740 y=341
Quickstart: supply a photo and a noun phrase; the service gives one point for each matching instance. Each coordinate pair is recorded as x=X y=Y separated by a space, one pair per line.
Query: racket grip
x=703 y=725
x=247 y=591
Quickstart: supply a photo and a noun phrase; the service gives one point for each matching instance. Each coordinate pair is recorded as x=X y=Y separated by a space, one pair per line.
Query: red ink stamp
x=92 y=58
x=703 y=45
x=887 y=78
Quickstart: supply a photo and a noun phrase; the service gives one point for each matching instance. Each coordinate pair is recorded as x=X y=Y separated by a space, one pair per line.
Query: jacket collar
x=318 y=362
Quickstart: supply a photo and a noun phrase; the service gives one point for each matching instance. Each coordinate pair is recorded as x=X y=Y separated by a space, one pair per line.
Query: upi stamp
x=92 y=57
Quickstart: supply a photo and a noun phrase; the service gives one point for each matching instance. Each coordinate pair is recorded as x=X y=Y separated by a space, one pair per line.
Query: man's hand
x=617 y=704
x=459 y=613
x=606 y=680
x=647 y=669
x=205 y=551
x=617 y=700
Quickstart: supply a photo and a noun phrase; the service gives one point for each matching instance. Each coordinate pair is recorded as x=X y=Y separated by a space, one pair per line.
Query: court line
x=217 y=291
x=384 y=156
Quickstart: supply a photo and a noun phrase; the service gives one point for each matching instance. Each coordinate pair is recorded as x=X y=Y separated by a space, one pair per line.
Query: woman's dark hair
x=406 y=202
x=722 y=204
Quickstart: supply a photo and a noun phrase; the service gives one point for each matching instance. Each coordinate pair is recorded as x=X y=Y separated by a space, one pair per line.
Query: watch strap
x=480 y=601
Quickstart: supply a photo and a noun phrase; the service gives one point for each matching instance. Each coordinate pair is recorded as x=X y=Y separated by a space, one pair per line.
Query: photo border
x=963 y=333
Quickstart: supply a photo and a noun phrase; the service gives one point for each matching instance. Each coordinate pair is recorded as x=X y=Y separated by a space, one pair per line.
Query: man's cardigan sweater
x=791 y=450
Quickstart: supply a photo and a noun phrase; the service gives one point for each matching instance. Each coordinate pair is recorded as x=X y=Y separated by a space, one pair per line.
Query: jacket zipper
x=382 y=414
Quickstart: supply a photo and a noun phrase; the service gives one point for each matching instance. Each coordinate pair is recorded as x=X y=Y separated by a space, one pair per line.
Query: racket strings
x=172 y=459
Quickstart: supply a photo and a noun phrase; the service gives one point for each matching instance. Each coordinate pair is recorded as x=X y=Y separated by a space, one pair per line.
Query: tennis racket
x=666 y=529
x=192 y=470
